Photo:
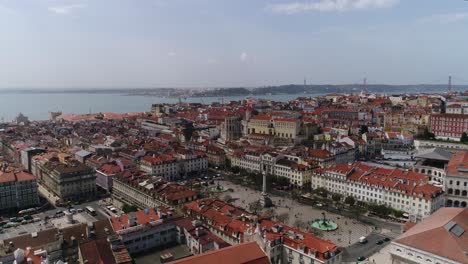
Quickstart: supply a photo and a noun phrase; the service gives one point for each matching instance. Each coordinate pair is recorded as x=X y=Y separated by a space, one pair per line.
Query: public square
x=349 y=230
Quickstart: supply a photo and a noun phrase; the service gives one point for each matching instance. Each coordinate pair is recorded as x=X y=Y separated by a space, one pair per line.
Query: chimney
x=131 y=219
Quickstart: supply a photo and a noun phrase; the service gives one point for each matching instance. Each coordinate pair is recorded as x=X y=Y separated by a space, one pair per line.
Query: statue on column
x=265 y=201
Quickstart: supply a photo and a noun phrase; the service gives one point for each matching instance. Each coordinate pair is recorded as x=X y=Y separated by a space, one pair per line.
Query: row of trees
x=431 y=136
x=336 y=197
x=257 y=178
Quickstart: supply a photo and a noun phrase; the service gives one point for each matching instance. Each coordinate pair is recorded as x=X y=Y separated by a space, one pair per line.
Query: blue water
x=37 y=106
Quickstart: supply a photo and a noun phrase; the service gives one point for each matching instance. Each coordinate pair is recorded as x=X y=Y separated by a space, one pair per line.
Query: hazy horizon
x=120 y=44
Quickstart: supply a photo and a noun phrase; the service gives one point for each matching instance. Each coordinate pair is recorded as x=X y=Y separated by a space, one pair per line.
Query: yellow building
x=285 y=128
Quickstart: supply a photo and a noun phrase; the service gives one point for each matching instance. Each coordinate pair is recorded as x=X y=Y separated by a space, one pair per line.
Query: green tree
x=427 y=134
x=350 y=200
x=322 y=192
x=398 y=213
x=356 y=212
x=235 y=170
x=336 y=197
x=128 y=208
x=464 y=138
x=255 y=206
x=281 y=181
x=380 y=210
x=364 y=129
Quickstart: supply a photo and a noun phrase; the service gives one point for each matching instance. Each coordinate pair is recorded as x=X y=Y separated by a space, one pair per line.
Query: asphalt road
x=100 y=212
x=356 y=250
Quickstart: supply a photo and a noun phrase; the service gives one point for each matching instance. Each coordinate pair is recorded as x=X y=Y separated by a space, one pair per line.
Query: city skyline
x=123 y=44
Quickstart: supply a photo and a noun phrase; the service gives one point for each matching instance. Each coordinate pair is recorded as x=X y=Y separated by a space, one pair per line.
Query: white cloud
x=171 y=54
x=444 y=18
x=7 y=11
x=331 y=6
x=64 y=10
x=244 y=56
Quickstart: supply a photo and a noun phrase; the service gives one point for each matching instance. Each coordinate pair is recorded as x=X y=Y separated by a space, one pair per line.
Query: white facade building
x=396 y=188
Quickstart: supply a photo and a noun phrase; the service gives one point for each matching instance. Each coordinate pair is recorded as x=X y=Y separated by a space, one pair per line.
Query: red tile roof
x=97 y=252
x=142 y=217
x=246 y=253
x=16 y=176
x=431 y=235
x=458 y=164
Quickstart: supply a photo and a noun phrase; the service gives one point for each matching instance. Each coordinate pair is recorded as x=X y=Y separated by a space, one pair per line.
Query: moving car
x=362 y=240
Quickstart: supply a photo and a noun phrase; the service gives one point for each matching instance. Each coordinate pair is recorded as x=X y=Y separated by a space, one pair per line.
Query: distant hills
x=258 y=91
x=326 y=88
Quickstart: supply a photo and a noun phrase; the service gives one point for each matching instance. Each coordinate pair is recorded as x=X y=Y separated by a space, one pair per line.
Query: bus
x=90 y=210
x=29 y=211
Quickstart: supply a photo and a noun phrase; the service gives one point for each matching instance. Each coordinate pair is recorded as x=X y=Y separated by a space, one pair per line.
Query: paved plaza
x=349 y=230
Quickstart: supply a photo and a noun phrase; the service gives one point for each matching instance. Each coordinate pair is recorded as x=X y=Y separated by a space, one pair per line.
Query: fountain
x=324 y=224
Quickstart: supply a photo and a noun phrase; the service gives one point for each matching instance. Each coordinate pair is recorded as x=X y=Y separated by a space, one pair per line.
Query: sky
x=226 y=43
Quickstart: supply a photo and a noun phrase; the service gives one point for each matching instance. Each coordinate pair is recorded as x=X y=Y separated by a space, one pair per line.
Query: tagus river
x=36 y=106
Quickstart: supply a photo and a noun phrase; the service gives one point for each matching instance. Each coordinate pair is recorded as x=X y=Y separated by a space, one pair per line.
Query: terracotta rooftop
x=445 y=233
x=97 y=252
x=141 y=217
x=16 y=176
x=458 y=164
x=246 y=253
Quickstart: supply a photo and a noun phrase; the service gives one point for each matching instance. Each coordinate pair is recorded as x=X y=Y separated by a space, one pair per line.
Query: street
x=356 y=250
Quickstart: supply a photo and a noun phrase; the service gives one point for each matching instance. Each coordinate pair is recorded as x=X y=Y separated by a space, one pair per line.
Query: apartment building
x=456 y=183
x=402 y=190
x=105 y=175
x=172 y=167
x=161 y=165
x=449 y=126
x=284 y=128
x=144 y=230
x=198 y=238
x=145 y=191
x=291 y=167
x=231 y=128
x=18 y=189
x=281 y=243
x=433 y=163
x=70 y=180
